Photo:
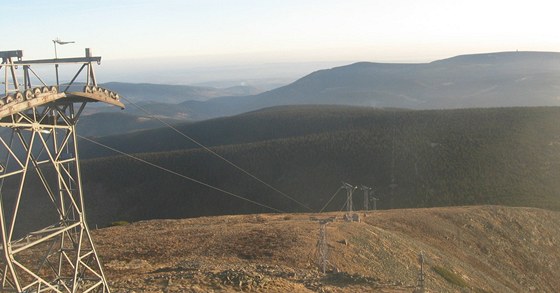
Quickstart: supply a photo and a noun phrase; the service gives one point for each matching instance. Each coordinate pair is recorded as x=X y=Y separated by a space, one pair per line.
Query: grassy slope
x=482 y=248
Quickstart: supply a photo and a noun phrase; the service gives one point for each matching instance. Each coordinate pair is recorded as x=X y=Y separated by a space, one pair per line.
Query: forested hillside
x=167 y=93
x=508 y=156
x=450 y=157
x=111 y=123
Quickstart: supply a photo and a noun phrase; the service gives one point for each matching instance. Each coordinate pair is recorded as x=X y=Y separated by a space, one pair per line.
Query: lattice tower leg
x=349 y=204
x=366 y=200
x=59 y=257
x=322 y=248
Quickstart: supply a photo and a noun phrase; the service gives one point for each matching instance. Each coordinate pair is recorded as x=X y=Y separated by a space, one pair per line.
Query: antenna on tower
x=58 y=41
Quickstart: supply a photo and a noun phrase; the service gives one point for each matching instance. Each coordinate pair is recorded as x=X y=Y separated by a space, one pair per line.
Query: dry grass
x=491 y=249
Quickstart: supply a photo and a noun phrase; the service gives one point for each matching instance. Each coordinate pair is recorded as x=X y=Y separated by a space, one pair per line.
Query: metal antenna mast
x=58 y=255
x=58 y=41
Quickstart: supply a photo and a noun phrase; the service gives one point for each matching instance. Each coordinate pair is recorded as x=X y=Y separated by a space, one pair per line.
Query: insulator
x=9 y=99
x=53 y=89
x=45 y=89
x=37 y=91
x=105 y=91
x=87 y=89
x=112 y=95
x=117 y=97
x=94 y=89
x=19 y=97
x=28 y=94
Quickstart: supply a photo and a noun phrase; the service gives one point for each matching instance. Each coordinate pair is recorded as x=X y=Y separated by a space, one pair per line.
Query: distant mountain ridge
x=502 y=79
x=167 y=93
x=162 y=100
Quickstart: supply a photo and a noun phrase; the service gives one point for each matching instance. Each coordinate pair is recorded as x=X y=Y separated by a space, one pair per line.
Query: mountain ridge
x=465 y=81
x=501 y=79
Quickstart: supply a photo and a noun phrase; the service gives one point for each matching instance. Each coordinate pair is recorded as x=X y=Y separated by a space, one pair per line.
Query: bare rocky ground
x=467 y=249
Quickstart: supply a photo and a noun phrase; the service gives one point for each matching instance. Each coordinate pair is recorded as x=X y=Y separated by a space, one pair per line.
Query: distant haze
x=188 y=72
x=250 y=32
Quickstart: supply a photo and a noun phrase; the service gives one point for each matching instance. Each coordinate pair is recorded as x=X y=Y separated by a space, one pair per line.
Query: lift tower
x=366 y=191
x=349 y=205
x=46 y=244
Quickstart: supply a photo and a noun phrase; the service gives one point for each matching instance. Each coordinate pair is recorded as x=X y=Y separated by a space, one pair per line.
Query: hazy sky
x=196 y=41
x=283 y=30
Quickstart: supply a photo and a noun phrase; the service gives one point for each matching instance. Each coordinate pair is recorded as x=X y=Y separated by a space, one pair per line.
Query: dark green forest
x=506 y=156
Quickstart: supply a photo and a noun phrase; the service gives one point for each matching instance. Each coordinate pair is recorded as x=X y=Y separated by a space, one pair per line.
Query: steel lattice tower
x=421 y=276
x=366 y=191
x=349 y=205
x=322 y=247
x=41 y=145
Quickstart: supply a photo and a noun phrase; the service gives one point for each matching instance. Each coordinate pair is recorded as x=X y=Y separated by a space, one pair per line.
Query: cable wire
x=343 y=206
x=340 y=188
x=215 y=154
x=180 y=175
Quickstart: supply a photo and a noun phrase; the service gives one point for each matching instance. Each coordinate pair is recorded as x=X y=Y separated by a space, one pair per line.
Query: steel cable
x=180 y=175
x=216 y=154
x=340 y=188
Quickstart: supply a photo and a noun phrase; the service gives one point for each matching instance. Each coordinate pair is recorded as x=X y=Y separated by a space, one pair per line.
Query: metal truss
x=349 y=216
x=366 y=191
x=322 y=247
x=38 y=142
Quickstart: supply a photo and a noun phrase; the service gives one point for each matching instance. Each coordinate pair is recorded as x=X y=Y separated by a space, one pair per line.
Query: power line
x=216 y=154
x=180 y=175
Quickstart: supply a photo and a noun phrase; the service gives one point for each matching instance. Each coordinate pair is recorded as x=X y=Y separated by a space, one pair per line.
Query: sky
x=233 y=32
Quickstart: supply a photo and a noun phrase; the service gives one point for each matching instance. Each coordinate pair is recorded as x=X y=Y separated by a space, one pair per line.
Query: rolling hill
x=506 y=79
x=507 y=156
x=162 y=100
x=466 y=249
x=112 y=123
x=502 y=79
x=172 y=94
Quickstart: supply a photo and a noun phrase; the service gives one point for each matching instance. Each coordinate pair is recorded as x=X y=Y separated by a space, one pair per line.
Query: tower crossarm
x=19 y=102
x=21 y=96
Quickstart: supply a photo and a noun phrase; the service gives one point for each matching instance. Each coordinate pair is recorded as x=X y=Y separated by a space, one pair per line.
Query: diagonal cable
x=340 y=188
x=216 y=154
x=180 y=175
